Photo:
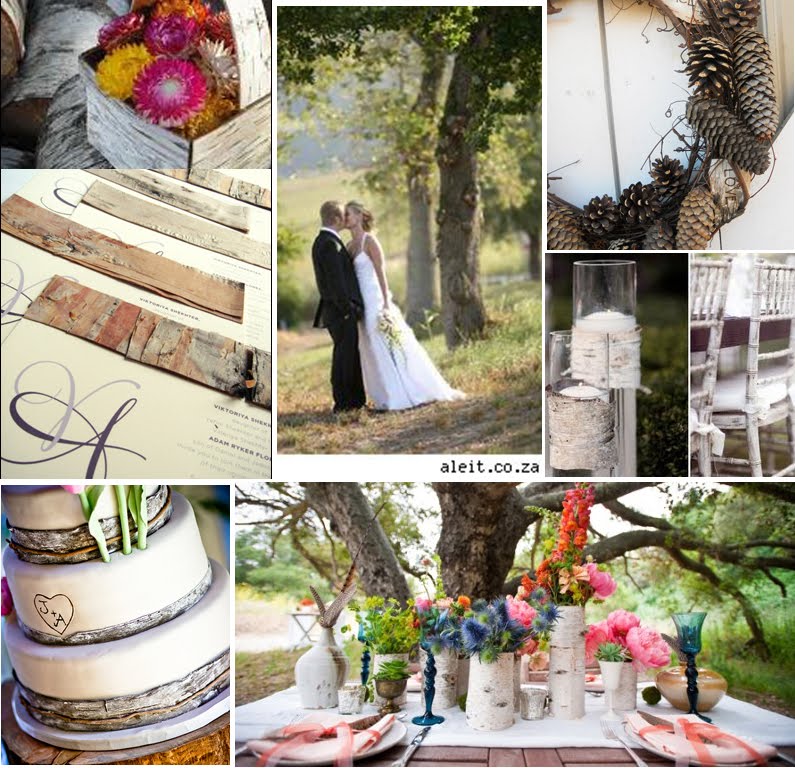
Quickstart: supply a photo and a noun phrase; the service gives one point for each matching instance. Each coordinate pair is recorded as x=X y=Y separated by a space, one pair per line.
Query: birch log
x=182 y=196
x=11 y=157
x=201 y=356
x=567 y=664
x=73 y=241
x=63 y=142
x=58 y=31
x=218 y=181
x=12 y=35
x=183 y=226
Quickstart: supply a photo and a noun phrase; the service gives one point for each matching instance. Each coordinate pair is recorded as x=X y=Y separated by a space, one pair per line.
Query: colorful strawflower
x=216 y=110
x=168 y=92
x=121 y=30
x=172 y=35
x=194 y=9
x=116 y=73
x=219 y=27
x=222 y=66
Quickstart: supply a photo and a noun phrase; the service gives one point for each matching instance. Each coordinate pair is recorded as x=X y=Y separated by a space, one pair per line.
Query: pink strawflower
x=173 y=35
x=74 y=488
x=121 y=30
x=620 y=622
x=423 y=604
x=7 y=600
x=602 y=582
x=647 y=648
x=596 y=635
x=168 y=92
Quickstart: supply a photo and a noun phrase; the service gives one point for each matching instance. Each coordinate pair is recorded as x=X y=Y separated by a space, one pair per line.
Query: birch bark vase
x=378 y=660
x=567 y=664
x=446 y=682
x=490 y=697
x=462 y=684
x=625 y=697
x=321 y=672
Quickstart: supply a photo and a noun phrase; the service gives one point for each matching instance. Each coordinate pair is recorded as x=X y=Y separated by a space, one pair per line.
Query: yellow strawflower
x=216 y=111
x=116 y=73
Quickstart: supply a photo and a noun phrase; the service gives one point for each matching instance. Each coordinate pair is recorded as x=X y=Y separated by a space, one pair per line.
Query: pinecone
x=563 y=231
x=756 y=93
x=600 y=216
x=698 y=220
x=728 y=137
x=659 y=237
x=668 y=177
x=622 y=244
x=736 y=14
x=638 y=204
x=709 y=67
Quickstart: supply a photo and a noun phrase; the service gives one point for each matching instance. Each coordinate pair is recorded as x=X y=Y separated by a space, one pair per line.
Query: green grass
x=501 y=375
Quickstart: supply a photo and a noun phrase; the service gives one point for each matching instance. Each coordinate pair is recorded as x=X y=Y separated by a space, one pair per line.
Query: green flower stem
x=143 y=521
x=83 y=496
x=125 y=524
x=95 y=529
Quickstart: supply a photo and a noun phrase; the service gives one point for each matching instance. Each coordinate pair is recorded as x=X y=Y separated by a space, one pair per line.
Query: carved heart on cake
x=56 y=611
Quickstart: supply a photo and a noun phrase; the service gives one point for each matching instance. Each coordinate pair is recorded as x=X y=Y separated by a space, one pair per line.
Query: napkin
x=320 y=738
x=690 y=740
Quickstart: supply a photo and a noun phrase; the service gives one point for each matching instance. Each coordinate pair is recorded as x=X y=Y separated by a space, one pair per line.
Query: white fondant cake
x=55 y=509
x=65 y=600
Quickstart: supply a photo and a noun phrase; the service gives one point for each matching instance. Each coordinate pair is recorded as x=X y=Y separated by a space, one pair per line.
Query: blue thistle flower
x=474 y=635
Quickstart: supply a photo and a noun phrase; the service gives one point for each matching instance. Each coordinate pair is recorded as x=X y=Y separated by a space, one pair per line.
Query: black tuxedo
x=339 y=309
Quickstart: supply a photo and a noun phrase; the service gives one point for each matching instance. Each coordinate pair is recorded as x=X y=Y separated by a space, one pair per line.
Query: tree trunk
x=534 y=256
x=459 y=214
x=347 y=507
x=421 y=294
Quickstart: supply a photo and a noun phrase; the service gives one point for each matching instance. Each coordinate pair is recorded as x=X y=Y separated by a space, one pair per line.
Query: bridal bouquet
x=389 y=328
x=174 y=62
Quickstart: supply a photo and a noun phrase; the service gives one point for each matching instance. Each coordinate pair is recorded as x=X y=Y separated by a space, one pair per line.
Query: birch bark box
x=127 y=140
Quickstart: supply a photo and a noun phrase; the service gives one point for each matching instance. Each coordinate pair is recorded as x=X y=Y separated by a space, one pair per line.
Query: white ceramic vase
x=611 y=676
x=321 y=672
x=378 y=660
x=490 y=698
x=625 y=697
x=567 y=664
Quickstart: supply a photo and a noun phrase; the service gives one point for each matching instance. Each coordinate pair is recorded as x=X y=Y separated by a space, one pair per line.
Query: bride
x=396 y=369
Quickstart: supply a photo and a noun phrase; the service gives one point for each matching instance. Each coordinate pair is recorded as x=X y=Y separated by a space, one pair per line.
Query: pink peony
x=74 y=488
x=647 y=648
x=172 y=35
x=422 y=604
x=596 y=635
x=602 y=582
x=620 y=622
x=520 y=611
x=168 y=92
x=7 y=600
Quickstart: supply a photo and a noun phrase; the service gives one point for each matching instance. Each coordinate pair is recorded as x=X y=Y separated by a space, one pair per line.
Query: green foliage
x=397 y=669
x=387 y=627
x=290 y=296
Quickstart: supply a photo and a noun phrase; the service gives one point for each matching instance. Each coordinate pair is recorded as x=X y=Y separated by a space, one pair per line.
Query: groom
x=340 y=307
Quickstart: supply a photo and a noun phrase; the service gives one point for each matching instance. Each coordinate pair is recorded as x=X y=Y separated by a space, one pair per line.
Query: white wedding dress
x=399 y=378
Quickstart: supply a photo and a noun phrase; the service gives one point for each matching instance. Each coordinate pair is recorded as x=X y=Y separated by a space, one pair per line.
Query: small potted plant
x=390 y=684
x=611 y=658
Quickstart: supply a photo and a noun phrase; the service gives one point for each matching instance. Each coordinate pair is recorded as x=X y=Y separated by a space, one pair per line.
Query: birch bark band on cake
x=160 y=703
x=606 y=360
x=95 y=601
x=76 y=545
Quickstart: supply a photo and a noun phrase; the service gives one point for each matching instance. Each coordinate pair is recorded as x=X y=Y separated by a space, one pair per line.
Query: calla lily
x=74 y=488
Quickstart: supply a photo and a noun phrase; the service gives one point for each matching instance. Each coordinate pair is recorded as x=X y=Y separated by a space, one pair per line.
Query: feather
x=674 y=643
x=332 y=613
x=319 y=600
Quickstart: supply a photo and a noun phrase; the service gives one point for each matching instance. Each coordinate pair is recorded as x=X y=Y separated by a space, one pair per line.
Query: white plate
x=389 y=740
x=662 y=753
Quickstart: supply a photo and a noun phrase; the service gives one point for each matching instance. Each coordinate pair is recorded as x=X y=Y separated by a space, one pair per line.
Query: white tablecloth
x=259 y=717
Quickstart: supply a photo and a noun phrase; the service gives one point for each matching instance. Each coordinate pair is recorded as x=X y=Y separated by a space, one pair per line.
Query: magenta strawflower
x=121 y=30
x=173 y=35
x=168 y=92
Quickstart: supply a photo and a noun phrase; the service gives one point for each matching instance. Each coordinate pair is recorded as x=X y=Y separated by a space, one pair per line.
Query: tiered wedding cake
x=105 y=645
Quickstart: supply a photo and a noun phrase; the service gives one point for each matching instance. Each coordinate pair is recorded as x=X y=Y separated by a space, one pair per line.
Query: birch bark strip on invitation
x=217 y=181
x=205 y=234
x=143 y=336
x=182 y=196
x=70 y=240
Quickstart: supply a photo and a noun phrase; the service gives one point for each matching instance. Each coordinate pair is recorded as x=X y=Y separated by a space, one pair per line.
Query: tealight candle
x=581 y=392
x=605 y=321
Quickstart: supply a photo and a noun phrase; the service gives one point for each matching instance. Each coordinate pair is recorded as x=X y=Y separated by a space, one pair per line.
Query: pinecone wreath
x=668 y=177
x=736 y=14
x=756 y=92
x=600 y=216
x=698 y=220
x=709 y=67
x=638 y=204
x=563 y=230
x=659 y=237
x=728 y=136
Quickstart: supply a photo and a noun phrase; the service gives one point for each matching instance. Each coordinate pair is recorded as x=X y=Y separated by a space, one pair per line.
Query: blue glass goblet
x=688 y=634
x=429 y=690
x=365 y=654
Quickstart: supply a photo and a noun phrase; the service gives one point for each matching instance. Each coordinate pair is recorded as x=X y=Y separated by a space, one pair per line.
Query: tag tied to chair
x=201 y=356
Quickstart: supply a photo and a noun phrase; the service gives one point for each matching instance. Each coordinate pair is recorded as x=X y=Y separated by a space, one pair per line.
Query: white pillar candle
x=581 y=392
x=606 y=321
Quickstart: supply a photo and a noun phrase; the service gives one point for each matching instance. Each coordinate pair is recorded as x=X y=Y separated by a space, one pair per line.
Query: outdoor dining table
x=546 y=742
x=735 y=333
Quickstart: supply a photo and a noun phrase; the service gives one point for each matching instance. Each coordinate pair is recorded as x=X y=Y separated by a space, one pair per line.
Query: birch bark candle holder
x=581 y=418
x=127 y=140
x=604 y=296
